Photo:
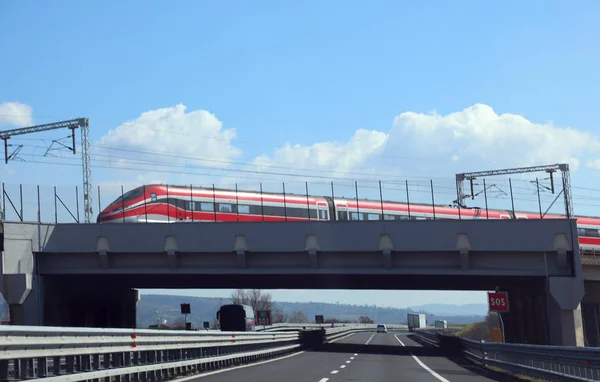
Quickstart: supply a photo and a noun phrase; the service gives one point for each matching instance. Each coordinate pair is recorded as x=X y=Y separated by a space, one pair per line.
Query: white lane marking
x=323 y=379
x=369 y=340
x=334 y=372
x=343 y=366
x=348 y=361
x=355 y=354
x=351 y=357
x=439 y=377
x=236 y=367
x=341 y=338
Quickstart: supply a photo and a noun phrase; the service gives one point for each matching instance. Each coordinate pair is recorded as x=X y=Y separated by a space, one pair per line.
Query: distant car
x=381 y=329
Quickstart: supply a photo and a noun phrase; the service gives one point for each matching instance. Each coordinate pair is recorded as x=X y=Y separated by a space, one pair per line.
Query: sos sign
x=498 y=301
x=263 y=317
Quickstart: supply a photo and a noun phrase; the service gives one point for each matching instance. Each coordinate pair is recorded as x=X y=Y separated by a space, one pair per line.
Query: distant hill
x=449 y=309
x=151 y=308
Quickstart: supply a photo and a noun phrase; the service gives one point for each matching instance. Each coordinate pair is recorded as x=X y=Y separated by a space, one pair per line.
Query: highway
x=395 y=356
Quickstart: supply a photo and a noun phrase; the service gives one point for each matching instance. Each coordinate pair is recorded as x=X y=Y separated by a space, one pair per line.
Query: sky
x=243 y=93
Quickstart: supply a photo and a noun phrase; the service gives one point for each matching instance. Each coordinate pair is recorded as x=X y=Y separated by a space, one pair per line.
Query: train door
x=322 y=211
x=342 y=211
x=189 y=211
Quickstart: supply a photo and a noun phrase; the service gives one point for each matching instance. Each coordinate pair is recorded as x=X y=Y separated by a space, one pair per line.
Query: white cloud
x=478 y=133
x=15 y=113
x=336 y=158
x=593 y=164
x=172 y=131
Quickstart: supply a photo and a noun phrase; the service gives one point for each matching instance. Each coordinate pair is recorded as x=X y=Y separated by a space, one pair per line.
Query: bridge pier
x=590 y=308
x=545 y=312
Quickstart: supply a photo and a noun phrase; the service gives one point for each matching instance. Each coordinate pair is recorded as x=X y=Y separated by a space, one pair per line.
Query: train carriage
x=157 y=203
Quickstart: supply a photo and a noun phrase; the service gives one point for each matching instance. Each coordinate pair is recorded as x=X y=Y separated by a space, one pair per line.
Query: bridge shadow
x=458 y=360
x=381 y=349
x=424 y=349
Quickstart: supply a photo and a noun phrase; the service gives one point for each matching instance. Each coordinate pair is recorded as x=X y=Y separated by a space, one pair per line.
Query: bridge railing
x=64 y=204
x=51 y=353
x=553 y=363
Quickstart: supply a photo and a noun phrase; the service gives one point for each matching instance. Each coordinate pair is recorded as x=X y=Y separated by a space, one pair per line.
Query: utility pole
x=72 y=124
x=550 y=169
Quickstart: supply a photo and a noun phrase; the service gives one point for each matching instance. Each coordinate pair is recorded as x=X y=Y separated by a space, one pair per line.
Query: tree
x=214 y=325
x=252 y=297
x=365 y=320
x=298 y=318
x=278 y=317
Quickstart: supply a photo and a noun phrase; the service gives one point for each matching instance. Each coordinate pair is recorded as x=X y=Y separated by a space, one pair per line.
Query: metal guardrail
x=288 y=326
x=76 y=354
x=551 y=363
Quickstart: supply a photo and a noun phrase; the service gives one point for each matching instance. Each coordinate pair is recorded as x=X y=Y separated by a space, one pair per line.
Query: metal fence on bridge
x=64 y=204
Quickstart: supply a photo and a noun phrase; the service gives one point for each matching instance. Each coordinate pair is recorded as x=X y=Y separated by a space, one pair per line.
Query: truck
x=416 y=321
x=441 y=324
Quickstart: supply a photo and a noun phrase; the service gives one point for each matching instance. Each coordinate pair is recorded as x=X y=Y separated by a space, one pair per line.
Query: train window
x=403 y=217
x=153 y=196
x=322 y=214
x=591 y=233
x=343 y=215
x=205 y=206
x=373 y=217
x=581 y=231
x=191 y=206
x=225 y=207
x=243 y=209
x=179 y=203
x=272 y=211
x=388 y=217
x=354 y=216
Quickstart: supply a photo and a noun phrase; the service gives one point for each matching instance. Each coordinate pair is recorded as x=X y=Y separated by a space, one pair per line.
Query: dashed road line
x=323 y=379
x=343 y=366
x=334 y=372
x=369 y=340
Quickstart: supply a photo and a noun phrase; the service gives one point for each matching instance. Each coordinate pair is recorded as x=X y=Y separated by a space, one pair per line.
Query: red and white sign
x=498 y=301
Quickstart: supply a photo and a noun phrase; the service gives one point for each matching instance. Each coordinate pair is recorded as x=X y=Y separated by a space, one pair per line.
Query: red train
x=158 y=203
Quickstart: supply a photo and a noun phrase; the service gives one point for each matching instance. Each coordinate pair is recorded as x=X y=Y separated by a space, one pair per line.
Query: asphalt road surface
x=369 y=357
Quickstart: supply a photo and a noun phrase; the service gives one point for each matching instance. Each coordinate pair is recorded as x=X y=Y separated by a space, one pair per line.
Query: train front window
x=129 y=195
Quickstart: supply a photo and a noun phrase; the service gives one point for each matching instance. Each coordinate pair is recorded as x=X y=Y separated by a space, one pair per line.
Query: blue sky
x=340 y=89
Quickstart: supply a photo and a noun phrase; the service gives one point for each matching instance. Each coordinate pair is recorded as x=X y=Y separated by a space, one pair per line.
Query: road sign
x=319 y=319
x=263 y=317
x=498 y=301
x=496 y=334
x=185 y=309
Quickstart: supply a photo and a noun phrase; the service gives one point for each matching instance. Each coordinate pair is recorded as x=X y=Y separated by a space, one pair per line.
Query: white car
x=381 y=328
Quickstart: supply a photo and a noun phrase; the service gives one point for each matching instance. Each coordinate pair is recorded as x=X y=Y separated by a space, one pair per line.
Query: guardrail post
x=4 y=370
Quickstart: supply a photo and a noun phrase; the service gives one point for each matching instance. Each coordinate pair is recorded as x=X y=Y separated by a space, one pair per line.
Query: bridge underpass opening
x=111 y=301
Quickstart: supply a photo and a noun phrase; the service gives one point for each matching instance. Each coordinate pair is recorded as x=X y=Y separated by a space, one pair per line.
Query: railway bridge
x=86 y=274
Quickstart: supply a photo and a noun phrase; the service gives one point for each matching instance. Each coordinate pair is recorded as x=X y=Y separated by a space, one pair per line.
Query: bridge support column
x=564 y=311
x=19 y=284
x=590 y=311
x=22 y=294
